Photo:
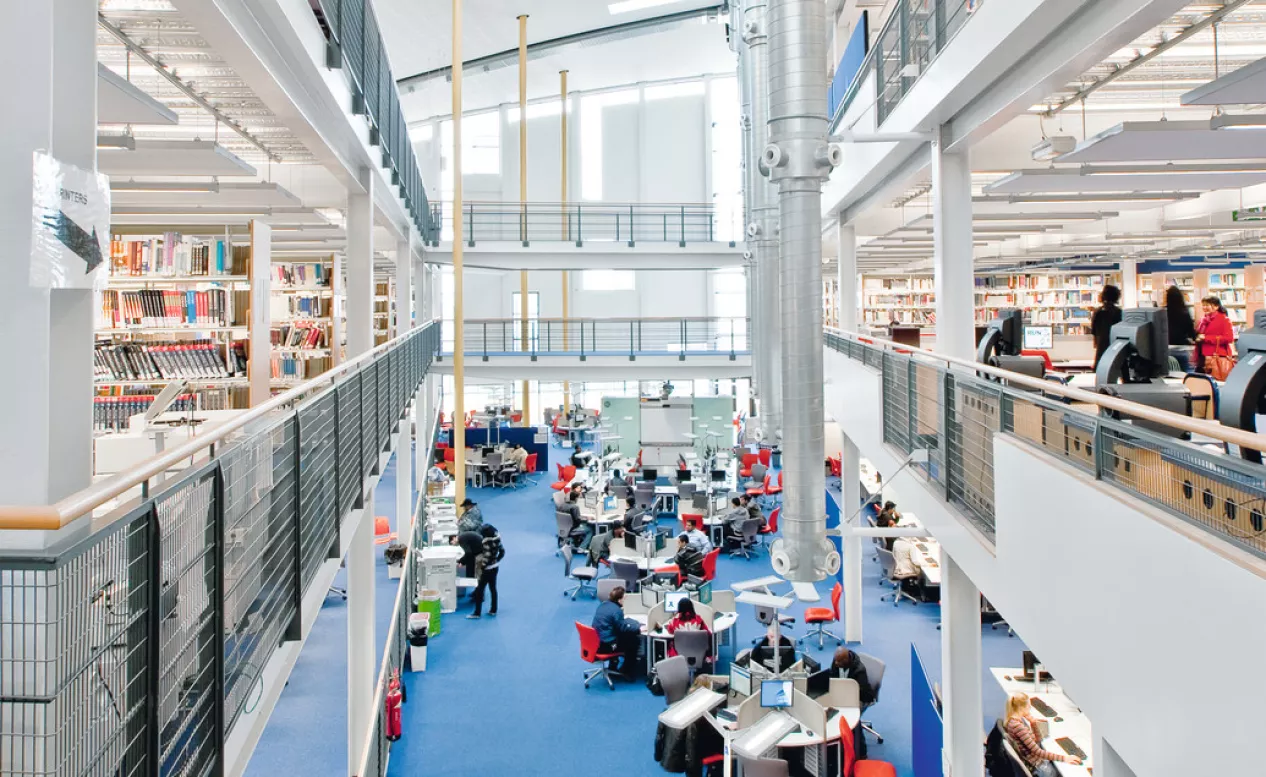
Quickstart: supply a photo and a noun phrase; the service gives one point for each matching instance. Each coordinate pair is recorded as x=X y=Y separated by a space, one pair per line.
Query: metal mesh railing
x=584 y=337
x=134 y=648
x=598 y=222
x=954 y=415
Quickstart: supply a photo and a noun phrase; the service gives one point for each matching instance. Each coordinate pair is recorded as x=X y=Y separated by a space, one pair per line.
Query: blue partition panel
x=523 y=435
x=850 y=64
x=926 y=724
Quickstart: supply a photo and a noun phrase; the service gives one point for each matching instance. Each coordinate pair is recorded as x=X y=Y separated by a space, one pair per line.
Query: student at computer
x=887 y=518
x=633 y=515
x=436 y=473
x=516 y=456
x=579 y=458
x=689 y=561
x=846 y=665
x=907 y=565
x=618 y=633
x=1021 y=728
x=471 y=518
x=753 y=509
x=578 y=521
x=699 y=540
x=686 y=619
x=600 y=546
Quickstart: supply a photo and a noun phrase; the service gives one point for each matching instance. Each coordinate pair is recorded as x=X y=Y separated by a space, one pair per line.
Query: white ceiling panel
x=1047 y=181
x=230 y=194
x=121 y=102
x=1246 y=86
x=172 y=157
x=1166 y=141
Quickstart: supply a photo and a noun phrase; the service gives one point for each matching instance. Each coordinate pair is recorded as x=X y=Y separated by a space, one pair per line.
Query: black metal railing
x=586 y=337
x=134 y=646
x=354 y=44
x=594 y=222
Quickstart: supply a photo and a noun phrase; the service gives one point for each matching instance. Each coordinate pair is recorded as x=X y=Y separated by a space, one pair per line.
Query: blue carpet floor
x=504 y=695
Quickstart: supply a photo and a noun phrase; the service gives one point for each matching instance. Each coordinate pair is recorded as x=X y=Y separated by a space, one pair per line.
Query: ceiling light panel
x=1165 y=141
x=1076 y=180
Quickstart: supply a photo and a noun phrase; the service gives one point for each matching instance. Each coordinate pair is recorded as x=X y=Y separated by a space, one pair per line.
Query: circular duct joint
x=828 y=155
x=783 y=557
x=830 y=565
x=773 y=157
x=753 y=230
x=751 y=31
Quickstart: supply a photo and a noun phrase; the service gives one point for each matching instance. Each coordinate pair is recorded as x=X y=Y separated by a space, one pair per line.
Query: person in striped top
x=1021 y=730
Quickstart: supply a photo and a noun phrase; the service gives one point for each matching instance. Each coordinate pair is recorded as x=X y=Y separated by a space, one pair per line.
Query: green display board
x=623 y=416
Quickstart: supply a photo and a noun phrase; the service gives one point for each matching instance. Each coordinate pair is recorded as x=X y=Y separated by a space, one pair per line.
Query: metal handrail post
x=632 y=236
x=682 y=241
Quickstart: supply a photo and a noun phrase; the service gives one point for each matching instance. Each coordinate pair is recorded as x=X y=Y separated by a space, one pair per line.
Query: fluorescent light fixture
x=1251 y=121
x=116 y=143
x=1171 y=169
x=627 y=6
x=140 y=187
x=1014 y=199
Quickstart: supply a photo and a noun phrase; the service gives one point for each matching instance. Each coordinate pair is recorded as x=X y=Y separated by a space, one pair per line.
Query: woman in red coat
x=1214 y=334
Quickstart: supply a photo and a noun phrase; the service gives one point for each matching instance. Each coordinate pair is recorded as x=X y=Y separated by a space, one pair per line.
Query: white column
x=360 y=270
x=960 y=671
x=952 y=252
x=1130 y=283
x=846 y=275
x=46 y=406
x=338 y=308
x=851 y=493
x=404 y=444
x=360 y=634
x=260 y=342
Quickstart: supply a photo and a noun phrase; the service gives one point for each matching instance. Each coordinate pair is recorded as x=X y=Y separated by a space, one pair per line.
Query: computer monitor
x=1039 y=337
x=630 y=541
x=683 y=476
x=718 y=476
x=740 y=680
x=765 y=655
x=673 y=600
x=1031 y=664
x=489 y=450
x=775 y=693
x=819 y=683
x=649 y=475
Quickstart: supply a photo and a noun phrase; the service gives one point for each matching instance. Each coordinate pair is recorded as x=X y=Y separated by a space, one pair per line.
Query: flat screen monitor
x=765 y=655
x=489 y=450
x=775 y=693
x=718 y=476
x=649 y=475
x=630 y=541
x=673 y=600
x=819 y=683
x=683 y=476
x=740 y=680
x=1039 y=337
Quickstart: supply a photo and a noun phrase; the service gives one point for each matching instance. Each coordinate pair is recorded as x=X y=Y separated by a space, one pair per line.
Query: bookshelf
x=301 y=313
x=384 y=308
x=909 y=300
x=1063 y=299
x=1241 y=290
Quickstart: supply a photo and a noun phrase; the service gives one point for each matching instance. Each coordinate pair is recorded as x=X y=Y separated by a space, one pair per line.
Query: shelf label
x=70 y=226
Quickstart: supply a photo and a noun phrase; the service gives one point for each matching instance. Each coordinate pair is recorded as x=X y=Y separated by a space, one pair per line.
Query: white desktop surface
x=764 y=600
x=931 y=571
x=724 y=621
x=1075 y=725
x=624 y=554
x=832 y=733
x=760 y=582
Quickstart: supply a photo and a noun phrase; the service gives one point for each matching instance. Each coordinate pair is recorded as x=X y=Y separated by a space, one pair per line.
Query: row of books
x=1043 y=282
x=197 y=359
x=111 y=414
x=299 y=306
x=1043 y=299
x=306 y=274
x=177 y=255
x=299 y=336
x=171 y=308
x=294 y=367
x=921 y=283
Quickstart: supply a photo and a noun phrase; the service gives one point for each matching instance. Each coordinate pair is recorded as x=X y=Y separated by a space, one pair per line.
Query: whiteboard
x=666 y=425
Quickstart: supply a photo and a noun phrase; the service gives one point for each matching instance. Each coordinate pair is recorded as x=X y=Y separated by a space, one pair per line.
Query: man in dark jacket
x=617 y=633
x=487 y=564
x=600 y=547
x=847 y=664
x=689 y=560
x=472 y=544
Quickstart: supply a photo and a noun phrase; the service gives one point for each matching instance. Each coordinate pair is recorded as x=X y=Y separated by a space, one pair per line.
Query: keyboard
x=1042 y=707
x=1070 y=747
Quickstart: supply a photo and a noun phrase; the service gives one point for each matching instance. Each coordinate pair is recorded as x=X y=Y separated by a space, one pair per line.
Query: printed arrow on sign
x=84 y=245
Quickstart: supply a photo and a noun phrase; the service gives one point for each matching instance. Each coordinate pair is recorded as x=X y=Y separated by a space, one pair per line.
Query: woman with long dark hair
x=1182 y=330
x=1103 y=319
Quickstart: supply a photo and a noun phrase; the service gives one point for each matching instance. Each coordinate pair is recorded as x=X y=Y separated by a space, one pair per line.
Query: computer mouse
x=1058 y=719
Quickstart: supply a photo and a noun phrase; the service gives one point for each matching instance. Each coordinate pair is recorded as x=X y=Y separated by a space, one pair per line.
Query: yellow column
x=523 y=234
x=459 y=327
x=562 y=88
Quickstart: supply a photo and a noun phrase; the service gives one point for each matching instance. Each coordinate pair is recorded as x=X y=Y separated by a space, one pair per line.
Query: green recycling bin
x=429 y=602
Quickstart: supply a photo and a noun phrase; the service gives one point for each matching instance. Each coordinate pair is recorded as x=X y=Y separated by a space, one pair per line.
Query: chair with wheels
x=875 y=674
x=765 y=456
x=760 y=489
x=770 y=528
x=529 y=469
x=565 y=476
x=589 y=645
x=745 y=469
x=765 y=615
x=693 y=646
x=674 y=678
x=583 y=577
x=627 y=573
x=746 y=538
x=568 y=533
x=605 y=585
x=710 y=564
x=774 y=488
x=888 y=563
x=816 y=618
x=855 y=768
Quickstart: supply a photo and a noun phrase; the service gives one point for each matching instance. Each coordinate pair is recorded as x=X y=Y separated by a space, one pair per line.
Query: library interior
x=891 y=371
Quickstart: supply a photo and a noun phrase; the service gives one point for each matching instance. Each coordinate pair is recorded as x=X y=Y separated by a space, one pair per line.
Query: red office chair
x=818 y=617
x=589 y=652
x=837 y=465
x=762 y=489
x=770 y=528
x=1046 y=357
x=765 y=455
x=774 y=489
x=565 y=475
x=450 y=456
x=692 y=521
x=516 y=418
x=710 y=564
x=529 y=464
x=854 y=767
x=383 y=535
x=748 y=460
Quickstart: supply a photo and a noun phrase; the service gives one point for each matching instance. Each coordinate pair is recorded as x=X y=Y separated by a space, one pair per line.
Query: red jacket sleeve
x=1220 y=331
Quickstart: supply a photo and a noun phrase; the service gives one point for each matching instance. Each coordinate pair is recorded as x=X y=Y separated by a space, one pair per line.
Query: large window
x=608 y=280
x=534 y=315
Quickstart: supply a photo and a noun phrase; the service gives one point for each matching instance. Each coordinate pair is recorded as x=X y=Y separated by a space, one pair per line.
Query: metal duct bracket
x=785 y=557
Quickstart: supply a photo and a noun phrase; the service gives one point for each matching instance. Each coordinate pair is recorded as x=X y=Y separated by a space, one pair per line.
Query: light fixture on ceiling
x=1051 y=147
x=1170 y=169
x=1250 y=121
x=116 y=143
x=144 y=187
x=1018 y=199
x=627 y=6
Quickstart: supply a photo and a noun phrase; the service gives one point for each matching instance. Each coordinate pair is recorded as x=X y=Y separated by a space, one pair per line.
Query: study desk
x=657 y=640
x=926 y=552
x=1074 y=724
x=620 y=553
x=819 y=750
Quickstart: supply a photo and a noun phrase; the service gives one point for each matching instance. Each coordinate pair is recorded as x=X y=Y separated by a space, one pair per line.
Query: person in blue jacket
x=618 y=633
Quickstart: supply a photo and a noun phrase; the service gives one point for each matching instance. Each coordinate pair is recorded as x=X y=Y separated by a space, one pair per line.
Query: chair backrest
x=529 y=464
x=561 y=479
x=605 y=585
x=620 y=490
x=768 y=478
x=1203 y=392
x=382 y=526
x=493 y=460
x=569 y=472
x=588 y=642
x=749 y=459
x=780 y=478
x=758 y=471
x=710 y=564
x=750 y=528
x=766 y=767
x=693 y=645
x=836 y=591
x=874 y=671
x=765 y=615
x=450 y=454
x=563 y=522
x=674 y=678
x=772 y=526
x=567 y=557
x=1046 y=357
x=887 y=562
x=692 y=521
x=685 y=490
x=765 y=455
x=848 y=749
x=625 y=572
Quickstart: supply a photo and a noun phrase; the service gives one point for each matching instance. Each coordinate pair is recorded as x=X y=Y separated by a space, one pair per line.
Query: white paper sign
x=70 y=226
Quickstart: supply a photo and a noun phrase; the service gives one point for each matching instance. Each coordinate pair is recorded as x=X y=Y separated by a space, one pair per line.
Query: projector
x=1052 y=147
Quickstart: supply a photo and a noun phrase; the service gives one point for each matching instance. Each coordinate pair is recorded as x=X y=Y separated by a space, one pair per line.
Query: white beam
x=851 y=494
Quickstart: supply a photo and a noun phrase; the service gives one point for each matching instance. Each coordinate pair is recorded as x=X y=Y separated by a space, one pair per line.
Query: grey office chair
x=875 y=674
x=763 y=767
x=644 y=495
x=674 y=678
x=685 y=492
x=765 y=615
x=758 y=475
x=634 y=520
x=626 y=572
x=620 y=490
x=748 y=538
x=699 y=502
x=560 y=499
x=584 y=577
x=888 y=564
x=605 y=585
x=694 y=646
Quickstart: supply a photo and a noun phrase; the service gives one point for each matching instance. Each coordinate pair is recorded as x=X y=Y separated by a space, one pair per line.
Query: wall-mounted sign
x=70 y=226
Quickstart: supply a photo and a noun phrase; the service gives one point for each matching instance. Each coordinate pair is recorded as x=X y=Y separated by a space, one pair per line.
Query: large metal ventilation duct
x=799 y=159
x=762 y=225
x=750 y=161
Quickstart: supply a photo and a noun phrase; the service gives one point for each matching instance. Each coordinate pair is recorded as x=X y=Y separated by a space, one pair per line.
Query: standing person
x=1020 y=726
x=486 y=567
x=471 y=518
x=617 y=633
x=472 y=544
x=1103 y=319
x=1182 y=330
x=1214 y=336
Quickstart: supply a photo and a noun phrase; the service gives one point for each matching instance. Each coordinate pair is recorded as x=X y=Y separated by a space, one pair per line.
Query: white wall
x=1155 y=635
x=661 y=293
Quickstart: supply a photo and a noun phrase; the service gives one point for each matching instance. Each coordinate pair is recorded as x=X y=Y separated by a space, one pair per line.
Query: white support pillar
x=46 y=413
x=404 y=445
x=360 y=270
x=846 y=275
x=851 y=494
x=960 y=671
x=1130 y=283
x=952 y=252
x=360 y=634
x=260 y=342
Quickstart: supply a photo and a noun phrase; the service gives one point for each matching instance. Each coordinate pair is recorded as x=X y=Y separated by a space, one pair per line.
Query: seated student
x=633 y=515
x=846 y=664
x=580 y=457
x=600 y=546
x=1020 y=727
x=516 y=456
x=763 y=650
x=577 y=520
x=888 y=517
x=436 y=473
x=753 y=509
x=699 y=540
x=618 y=633
x=907 y=565
x=689 y=561
x=686 y=619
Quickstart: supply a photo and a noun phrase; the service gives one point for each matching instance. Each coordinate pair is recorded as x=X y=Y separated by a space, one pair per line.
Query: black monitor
x=1002 y=336
x=819 y=683
x=1138 y=350
x=765 y=655
x=489 y=450
x=718 y=476
x=683 y=476
x=649 y=475
x=1030 y=667
x=630 y=541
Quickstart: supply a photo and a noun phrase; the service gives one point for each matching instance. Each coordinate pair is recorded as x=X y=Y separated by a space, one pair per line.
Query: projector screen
x=666 y=425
